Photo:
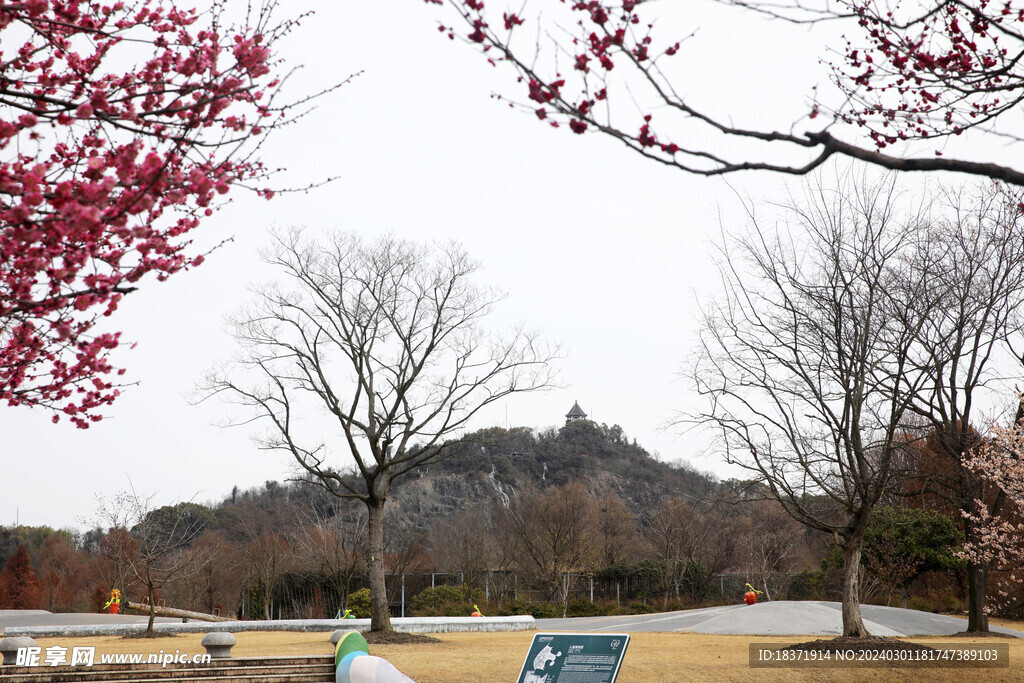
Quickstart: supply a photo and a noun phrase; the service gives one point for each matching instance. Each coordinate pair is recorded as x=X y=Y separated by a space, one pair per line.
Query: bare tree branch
x=806 y=359
x=386 y=338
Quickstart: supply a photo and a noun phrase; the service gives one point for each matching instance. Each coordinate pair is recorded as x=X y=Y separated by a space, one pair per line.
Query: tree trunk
x=209 y=589
x=152 y=608
x=380 y=614
x=977 y=585
x=565 y=595
x=977 y=575
x=853 y=624
x=175 y=613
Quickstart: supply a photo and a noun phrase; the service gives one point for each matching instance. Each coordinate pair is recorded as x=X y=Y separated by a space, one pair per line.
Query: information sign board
x=574 y=658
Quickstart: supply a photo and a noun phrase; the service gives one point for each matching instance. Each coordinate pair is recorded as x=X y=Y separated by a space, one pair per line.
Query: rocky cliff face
x=501 y=462
x=493 y=468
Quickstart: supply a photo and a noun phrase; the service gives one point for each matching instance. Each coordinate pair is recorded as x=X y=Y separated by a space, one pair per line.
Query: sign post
x=575 y=657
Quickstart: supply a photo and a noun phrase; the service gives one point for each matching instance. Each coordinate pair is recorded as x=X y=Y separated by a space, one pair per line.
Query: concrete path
x=39 y=617
x=42 y=624
x=780 y=618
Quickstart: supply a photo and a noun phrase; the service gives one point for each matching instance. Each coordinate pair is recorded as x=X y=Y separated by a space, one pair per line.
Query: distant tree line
x=290 y=550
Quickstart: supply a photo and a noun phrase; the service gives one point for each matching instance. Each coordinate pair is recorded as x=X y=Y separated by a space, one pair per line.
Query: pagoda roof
x=576 y=411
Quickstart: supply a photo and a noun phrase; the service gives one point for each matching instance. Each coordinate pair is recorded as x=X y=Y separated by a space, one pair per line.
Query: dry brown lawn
x=652 y=657
x=1006 y=623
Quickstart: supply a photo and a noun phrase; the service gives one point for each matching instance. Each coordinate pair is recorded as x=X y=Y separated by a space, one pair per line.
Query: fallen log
x=177 y=613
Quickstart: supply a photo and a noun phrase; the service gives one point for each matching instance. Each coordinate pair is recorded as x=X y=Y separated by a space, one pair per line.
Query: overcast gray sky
x=602 y=250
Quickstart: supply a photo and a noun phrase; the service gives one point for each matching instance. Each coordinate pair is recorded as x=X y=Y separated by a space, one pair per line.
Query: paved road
x=780 y=618
x=38 y=617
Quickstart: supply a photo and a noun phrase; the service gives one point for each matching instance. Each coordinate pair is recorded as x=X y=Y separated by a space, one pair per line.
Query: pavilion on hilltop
x=576 y=413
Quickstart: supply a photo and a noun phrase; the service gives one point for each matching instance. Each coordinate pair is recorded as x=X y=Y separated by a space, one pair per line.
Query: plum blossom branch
x=945 y=91
x=124 y=125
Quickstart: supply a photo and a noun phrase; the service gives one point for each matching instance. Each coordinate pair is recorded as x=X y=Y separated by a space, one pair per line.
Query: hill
x=483 y=471
x=495 y=463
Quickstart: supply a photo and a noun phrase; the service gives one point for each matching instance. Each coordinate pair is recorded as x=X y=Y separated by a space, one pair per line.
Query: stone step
x=299 y=660
x=283 y=670
x=238 y=676
x=233 y=662
x=184 y=677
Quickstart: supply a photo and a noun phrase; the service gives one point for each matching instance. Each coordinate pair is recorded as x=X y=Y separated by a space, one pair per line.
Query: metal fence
x=297 y=597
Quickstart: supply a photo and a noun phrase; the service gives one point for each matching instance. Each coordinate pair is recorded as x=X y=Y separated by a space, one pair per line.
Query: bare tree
x=552 y=534
x=154 y=544
x=404 y=550
x=334 y=549
x=62 y=573
x=264 y=555
x=805 y=359
x=464 y=545
x=690 y=543
x=504 y=559
x=615 y=531
x=112 y=563
x=966 y=348
x=772 y=547
x=664 y=533
x=386 y=336
x=217 y=586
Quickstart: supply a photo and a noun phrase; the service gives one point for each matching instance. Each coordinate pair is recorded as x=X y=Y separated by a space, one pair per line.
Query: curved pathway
x=779 y=618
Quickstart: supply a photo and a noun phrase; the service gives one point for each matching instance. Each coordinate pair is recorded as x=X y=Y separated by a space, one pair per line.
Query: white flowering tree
x=999 y=539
